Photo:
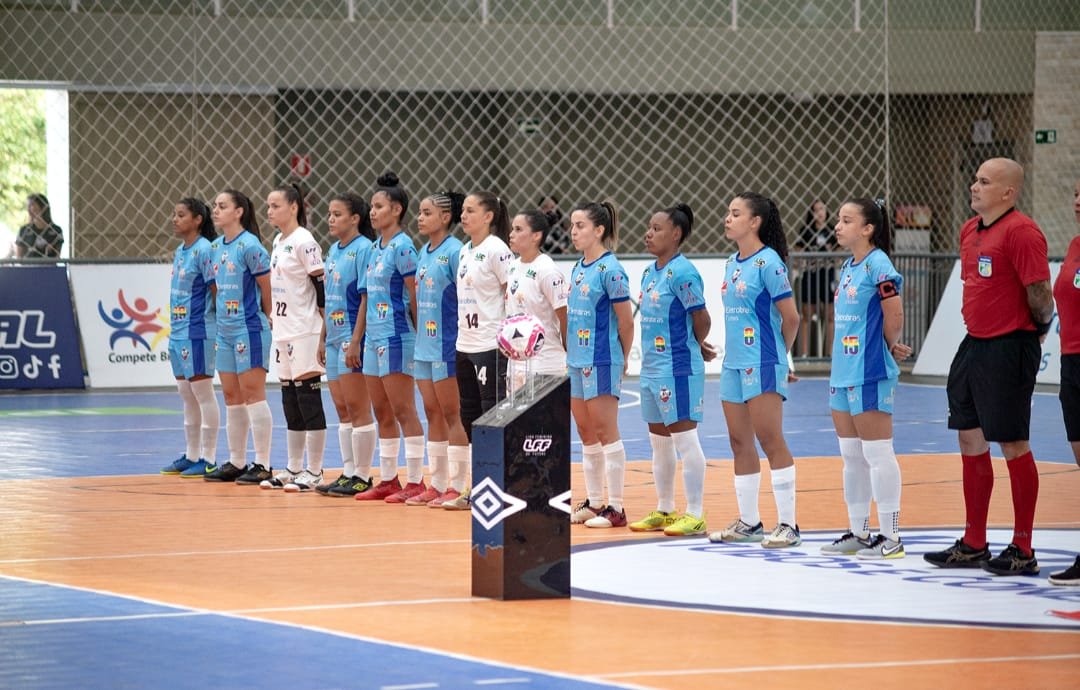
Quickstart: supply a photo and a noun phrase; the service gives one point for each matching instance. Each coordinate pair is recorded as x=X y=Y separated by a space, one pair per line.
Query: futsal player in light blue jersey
x=760 y=324
x=242 y=272
x=191 y=336
x=869 y=318
x=436 y=342
x=349 y=221
x=387 y=323
x=674 y=325
x=600 y=333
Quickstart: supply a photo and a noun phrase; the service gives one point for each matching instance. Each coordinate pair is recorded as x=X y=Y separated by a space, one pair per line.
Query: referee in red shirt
x=1007 y=308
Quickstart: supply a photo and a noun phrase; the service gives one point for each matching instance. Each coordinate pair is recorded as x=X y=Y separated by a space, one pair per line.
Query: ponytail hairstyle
x=771 y=231
x=389 y=184
x=500 y=217
x=42 y=202
x=449 y=201
x=537 y=221
x=603 y=213
x=682 y=217
x=199 y=208
x=247 y=217
x=873 y=213
x=293 y=195
x=359 y=207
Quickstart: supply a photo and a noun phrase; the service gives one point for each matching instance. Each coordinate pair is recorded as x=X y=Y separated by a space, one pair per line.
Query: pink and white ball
x=521 y=337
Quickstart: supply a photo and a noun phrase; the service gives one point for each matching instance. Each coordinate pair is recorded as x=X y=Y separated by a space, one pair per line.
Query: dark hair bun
x=685 y=208
x=388 y=179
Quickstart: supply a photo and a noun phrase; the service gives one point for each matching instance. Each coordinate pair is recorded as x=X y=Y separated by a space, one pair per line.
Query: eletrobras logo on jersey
x=803 y=582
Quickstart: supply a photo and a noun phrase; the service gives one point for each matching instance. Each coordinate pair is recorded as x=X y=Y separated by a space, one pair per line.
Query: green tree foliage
x=22 y=152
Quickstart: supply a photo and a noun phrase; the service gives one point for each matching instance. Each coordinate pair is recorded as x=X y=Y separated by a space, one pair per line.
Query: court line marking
x=338 y=633
x=841 y=666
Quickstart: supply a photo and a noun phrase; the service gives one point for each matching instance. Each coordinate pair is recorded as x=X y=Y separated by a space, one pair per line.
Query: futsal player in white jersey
x=296 y=323
x=482 y=270
x=193 y=328
x=536 y=286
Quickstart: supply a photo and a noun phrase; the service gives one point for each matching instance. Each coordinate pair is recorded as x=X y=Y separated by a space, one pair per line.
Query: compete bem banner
x=39 y=345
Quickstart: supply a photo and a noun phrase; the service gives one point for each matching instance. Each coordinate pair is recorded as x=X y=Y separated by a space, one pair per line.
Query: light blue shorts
x=390 y=356
x=874 y=396
x=335 y=360
x=740 y=385
x=189 y=359
x=434 y=371
x=592 y=382
x=239 y=353
x=669 y=399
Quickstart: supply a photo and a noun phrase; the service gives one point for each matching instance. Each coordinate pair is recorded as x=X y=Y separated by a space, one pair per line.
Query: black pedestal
x=521 y=496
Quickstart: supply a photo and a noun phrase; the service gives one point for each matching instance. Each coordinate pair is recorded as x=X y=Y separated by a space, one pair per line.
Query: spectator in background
x=558 y=237
x=41 y=238
x=816 y=285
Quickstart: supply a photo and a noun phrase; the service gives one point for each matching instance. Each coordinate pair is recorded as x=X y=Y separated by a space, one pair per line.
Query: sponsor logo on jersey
x=479 y=256
x=759 y=262
x=513 y=287
x=583 y=336
x=723 y=288
x=382 y=309
x=601 y=267
x=748 y=336
x=584 y=290
x=443 y=259
x=289 y=350
x=578 y=277
x=740 y=288
x=431 y=328
x=659 y=343
x=530 y=274
x=851 y=344
x=669 y=274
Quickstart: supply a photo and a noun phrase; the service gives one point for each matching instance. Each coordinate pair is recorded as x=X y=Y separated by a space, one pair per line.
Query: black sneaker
x=255 y=473
x=1069 y=577
x=959 y=555
x=354 y=486
x=324 y=489
x=225 y=472
x=1012 y=561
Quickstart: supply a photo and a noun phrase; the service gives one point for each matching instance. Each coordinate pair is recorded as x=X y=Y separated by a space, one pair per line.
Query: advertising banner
x=39 y=345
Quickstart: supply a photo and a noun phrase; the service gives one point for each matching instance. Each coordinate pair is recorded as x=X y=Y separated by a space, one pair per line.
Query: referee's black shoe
x=255 y=474
x=959 y=555
x=225 y=472
x=1012 y=561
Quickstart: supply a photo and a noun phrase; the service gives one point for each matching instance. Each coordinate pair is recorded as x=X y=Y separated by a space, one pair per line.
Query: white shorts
x=296 y=357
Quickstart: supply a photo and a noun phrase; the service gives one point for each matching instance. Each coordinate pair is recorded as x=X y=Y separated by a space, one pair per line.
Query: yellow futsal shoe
x=687 y=525
x=653 y=522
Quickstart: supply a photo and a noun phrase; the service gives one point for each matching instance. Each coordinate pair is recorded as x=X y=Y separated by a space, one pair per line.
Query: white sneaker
x=739 y=532
x=278 y=481
x=847 y=545
x=782 y=537
x=305 y=481
x=881 y=548
x=462 y=502
x=583 y=512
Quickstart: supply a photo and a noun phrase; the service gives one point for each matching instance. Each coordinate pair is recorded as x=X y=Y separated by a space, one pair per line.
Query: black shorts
x=1069 y=396
x=481 y=378
x=990 y=385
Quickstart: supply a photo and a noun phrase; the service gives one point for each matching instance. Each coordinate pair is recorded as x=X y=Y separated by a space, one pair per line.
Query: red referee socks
x=978 y=485
x=1024 y=477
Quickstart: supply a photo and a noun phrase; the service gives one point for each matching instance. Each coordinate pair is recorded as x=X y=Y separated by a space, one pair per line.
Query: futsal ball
x=521 y=336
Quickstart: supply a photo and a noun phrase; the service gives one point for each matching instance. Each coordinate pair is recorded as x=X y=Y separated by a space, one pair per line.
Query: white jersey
x=294 y=258
x=539 y=288
x=481 y=276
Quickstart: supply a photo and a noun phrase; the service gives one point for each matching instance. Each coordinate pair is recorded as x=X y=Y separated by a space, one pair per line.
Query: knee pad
x=294 y=419
x=309 y=399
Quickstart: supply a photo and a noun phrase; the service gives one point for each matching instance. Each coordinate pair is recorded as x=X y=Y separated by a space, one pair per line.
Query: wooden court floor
x=400 y=574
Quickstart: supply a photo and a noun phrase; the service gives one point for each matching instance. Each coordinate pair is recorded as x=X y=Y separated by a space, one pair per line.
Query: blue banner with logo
x=39 y=345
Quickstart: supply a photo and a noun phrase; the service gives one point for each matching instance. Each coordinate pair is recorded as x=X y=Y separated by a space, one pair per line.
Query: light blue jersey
x=387 y=299
x=668 y=296
x=239 y=302
x=345 y=267
x=860 y=354
x=436 y=301
x=751 y=288
x=593 y=330
x=191 y=305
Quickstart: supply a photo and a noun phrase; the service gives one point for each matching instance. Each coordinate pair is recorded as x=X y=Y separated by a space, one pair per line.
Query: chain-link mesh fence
x=645 y=101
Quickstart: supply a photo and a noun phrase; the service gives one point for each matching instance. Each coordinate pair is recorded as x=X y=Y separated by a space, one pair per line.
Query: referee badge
x=986 y=267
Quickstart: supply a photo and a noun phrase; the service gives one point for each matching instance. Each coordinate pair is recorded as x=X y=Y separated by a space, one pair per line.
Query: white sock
x=592 y=460
x=615 y=471
x=211 y=418
x=316 y=449
x=663 y=466
x=460 y=459
x=237 y=423
x=363 y=450
x=388 y=454
x=438 y=464
x=885 y=480
x=296 y=440
x=414 y=459
x=693 y=469
x=747 y=488
x=344 y=439
x=783 y=486
x=857 y=491
x=262 y=426
x=192 y=419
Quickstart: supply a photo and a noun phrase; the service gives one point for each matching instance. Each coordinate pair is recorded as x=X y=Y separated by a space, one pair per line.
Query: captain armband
x=887 y=289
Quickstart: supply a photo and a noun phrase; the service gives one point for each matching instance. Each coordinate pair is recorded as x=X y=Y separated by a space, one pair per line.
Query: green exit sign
x=1046 y=136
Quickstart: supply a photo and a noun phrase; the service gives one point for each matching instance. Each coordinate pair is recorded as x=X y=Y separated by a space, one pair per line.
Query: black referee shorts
x=990 y=385
x=1070 y=395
